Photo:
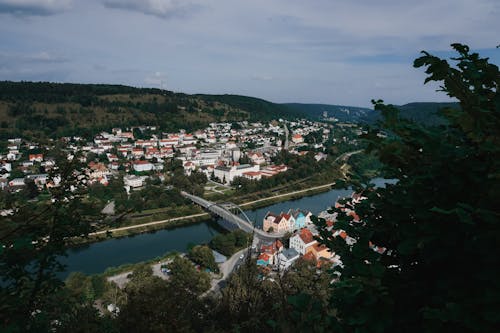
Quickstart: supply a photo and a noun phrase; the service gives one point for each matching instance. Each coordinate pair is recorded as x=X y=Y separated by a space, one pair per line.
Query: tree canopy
x=438 y=224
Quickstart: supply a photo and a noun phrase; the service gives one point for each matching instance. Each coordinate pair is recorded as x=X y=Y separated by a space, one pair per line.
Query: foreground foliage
x=439 y=223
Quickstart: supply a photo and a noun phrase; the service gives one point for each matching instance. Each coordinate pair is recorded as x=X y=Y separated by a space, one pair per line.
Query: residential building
x=272 y=250
x=286 y=258
x=297 y=138
x=134 y=181
x=35 y=157
x=142 y=166
x=227 y=174
x=302 y=241
x=278 y=223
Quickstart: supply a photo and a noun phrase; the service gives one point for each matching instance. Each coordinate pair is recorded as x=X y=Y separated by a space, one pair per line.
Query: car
x=242 y=256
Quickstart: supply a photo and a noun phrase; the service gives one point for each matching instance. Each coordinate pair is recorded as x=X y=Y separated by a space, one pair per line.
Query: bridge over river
x=224 y=211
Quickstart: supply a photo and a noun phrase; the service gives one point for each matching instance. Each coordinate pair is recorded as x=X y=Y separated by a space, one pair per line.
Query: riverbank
x=196 y=218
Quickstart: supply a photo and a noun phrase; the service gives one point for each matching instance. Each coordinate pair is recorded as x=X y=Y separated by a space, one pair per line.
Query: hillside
x=340 y=112
x=426 y=113
x=260 y=109
x=44 y=109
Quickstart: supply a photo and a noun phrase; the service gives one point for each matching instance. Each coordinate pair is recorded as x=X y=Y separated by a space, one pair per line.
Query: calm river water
x=96 y=257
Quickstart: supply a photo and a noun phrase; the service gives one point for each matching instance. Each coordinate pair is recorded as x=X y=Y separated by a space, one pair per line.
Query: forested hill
x=262 y=109
x=426 y=113
x=38 y=109
x=340 y=112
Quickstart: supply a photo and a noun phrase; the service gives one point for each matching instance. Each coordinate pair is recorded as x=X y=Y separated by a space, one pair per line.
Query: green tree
x=438 y=224
x=31 y=243
x=203 y=256
x=156 y=305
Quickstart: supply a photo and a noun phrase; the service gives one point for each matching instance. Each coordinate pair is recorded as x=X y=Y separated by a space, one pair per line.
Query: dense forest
x=38 y=109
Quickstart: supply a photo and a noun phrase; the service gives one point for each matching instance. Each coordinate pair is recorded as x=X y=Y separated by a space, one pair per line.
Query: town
x=223 y=152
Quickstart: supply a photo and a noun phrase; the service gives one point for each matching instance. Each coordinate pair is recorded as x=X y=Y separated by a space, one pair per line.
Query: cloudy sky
x=321 y=51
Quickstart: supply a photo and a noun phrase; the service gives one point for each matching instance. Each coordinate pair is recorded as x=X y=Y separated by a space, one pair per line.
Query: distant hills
x=42 y=109
x=340 y=112
x=426 y=113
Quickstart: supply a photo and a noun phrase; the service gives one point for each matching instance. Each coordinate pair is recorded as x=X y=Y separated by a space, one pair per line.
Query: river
x=96 y=257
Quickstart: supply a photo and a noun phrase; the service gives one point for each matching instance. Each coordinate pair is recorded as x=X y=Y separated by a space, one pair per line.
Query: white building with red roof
x=142 y=166
x=297 y=138
x=302 y=241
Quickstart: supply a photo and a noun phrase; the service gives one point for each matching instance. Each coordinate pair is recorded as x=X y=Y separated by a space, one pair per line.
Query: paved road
x=287 y=194
x=226 y=268
x=147 y=224
x=345 y=156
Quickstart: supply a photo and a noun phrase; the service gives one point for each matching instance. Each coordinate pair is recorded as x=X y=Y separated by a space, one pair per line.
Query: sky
x=310 y=51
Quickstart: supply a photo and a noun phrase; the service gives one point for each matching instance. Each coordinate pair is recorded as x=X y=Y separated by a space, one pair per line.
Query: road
x=345 y=156
x=147 y=224
x=226 y=268
x=287 y=194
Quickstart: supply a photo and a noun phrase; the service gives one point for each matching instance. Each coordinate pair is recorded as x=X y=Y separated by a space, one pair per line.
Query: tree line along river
x=94 y=258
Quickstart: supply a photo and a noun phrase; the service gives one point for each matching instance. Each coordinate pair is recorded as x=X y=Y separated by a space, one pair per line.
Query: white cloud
x=159 y=8
x=34 y=7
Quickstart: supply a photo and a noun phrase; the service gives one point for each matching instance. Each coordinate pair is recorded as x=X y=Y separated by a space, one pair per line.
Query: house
x=256 y=157
x=137 y=152
x=13 y=155
x=40 y=179
x=272 y=250
x=126 y=135
x=7 y=166
x=301 y=218
x=302 y=241
x=321 y=251
x=17 y=182
x=286 y=258
x=35 y=157
x=277 y=223
x=134 y=181
x=142 y=166
x=97 y=170
x=188 y=167
x=297 y=138
x=320 y=156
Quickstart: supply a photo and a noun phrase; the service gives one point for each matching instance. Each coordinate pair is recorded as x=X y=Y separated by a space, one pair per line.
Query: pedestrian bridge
x=225 y=211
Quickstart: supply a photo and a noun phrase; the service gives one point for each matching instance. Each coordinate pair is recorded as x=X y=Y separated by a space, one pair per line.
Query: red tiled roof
x=251 y=173
x=286 y=216
x=264 y=257
x=306 y=235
